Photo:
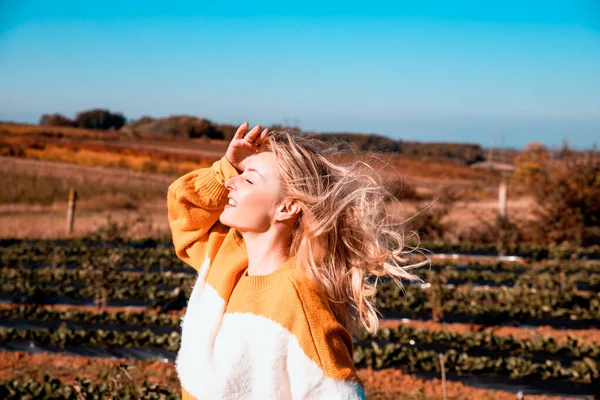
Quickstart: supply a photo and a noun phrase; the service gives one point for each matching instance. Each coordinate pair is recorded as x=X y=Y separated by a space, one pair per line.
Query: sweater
x=248 y=336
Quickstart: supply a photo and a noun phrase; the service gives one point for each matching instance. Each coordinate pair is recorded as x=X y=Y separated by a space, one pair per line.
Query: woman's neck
x=266 y=251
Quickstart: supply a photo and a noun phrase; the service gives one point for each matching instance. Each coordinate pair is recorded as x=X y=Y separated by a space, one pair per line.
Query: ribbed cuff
x=211 y=184
x=223 y=170
x=213 y=192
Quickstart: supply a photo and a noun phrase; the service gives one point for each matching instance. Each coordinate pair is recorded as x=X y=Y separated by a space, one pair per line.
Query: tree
x=183 y=126
x=56 y=120
x=529 y=165
x=226 y=130
x=99 y=119
x=567 y=194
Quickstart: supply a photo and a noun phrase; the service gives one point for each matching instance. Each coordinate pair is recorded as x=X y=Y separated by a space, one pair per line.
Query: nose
x=229 y=183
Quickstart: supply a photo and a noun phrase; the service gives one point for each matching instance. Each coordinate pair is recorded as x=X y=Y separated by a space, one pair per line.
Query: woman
x=284 y=242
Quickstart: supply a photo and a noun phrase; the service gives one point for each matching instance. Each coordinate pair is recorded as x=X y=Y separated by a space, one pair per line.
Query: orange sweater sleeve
x=195 y=202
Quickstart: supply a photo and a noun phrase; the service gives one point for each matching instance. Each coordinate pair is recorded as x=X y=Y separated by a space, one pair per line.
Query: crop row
x=39 y=292
x=537 y=252
x=160 y=253
x=80 y=283
x=403 y=334
x=96 y=257
x=491 y=307
x=532 y=279
x=66 y=276
x=395 y=355
x=34 y=313
x=537 y=280
x=63 y=337
x=473 y=341
x=488 y=307
x=389 y=295
x=52 y=388
x=568 y=267
x=366 y=354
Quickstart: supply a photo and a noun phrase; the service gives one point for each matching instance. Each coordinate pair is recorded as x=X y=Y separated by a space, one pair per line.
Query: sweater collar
x=254 y=283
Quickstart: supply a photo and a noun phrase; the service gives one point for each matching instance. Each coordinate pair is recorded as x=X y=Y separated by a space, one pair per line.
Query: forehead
x=265 y=163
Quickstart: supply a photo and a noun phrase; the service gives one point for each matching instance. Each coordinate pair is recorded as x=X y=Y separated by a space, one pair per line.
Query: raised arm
x=197 y=199
x=195 y=202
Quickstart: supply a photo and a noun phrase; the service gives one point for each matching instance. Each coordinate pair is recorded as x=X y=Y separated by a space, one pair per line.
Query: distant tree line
x=183 y=126
x=467 y=153
x=186 y=126
x=90 y=119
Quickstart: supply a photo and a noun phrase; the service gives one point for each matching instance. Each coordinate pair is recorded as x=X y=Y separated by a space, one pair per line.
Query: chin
x=226 y=219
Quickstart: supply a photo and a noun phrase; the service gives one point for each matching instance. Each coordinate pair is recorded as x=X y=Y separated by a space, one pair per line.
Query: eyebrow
x=253 y=170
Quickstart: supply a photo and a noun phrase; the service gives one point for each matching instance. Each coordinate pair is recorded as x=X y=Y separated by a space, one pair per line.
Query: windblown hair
x=343 y=236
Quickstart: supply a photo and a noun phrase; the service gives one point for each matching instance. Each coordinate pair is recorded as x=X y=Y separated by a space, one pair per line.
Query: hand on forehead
x=263 y=163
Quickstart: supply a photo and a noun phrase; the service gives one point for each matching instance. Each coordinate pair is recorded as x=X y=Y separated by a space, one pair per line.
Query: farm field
x=125 y=178
x=34 y=201
x=99 y=310
x=501 y=326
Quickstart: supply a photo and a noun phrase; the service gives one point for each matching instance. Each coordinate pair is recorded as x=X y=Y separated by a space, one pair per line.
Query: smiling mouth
x=232 y=203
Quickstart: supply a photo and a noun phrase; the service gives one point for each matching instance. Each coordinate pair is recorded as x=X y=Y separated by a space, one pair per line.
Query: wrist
x=237 y=167
x=227 y=168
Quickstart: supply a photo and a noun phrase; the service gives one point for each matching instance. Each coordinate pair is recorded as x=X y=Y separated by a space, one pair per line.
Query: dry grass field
x=35 y=195
x=123 y=180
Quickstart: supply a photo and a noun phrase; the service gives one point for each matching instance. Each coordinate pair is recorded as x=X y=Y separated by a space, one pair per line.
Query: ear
x=287 y=210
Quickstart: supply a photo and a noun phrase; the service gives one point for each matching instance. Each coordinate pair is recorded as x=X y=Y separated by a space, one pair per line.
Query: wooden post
x=443 y=376
x=502 y=196
x=71 y=211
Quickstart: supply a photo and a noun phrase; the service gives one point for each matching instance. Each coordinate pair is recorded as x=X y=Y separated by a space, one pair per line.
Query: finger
x=250 y=136
x=240 y=131
x=262 y=136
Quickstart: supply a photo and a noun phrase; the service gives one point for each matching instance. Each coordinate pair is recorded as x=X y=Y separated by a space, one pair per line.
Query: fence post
x=502 y=196
x=443 y=376
x=71 y=211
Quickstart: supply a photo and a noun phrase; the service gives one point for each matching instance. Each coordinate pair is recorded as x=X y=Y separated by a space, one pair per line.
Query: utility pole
x=503 y=150
x=491 y=153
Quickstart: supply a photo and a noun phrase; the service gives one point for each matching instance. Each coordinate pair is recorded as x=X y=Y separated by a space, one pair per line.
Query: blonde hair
x=343 y=236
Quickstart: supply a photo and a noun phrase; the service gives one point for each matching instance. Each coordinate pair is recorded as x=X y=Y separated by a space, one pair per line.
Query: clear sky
x=463 y=71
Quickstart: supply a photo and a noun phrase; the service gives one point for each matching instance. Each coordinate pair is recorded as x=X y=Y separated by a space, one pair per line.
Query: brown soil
x=393 y=384
x=21 y=365
x=384 y=384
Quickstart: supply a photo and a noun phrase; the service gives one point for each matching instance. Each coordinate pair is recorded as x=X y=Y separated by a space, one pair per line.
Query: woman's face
x=253 y=195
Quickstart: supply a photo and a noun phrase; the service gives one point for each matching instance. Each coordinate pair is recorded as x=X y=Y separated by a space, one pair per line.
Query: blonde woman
x=284 y=242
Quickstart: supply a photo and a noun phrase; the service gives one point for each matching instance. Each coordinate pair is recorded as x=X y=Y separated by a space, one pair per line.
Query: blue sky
x=464 y=71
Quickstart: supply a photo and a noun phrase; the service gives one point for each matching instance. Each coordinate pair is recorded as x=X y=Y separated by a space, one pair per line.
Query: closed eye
x=247 y=180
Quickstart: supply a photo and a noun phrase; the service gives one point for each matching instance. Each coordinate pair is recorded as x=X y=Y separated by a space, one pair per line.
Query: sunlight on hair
x=344 y=239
